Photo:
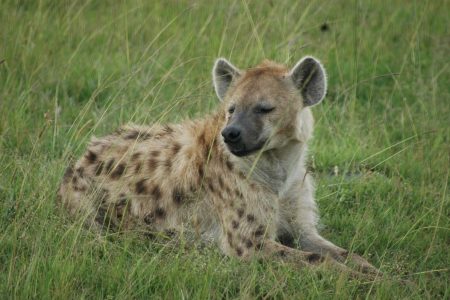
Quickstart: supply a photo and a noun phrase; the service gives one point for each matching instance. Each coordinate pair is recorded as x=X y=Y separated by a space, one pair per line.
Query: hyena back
x=237 y=176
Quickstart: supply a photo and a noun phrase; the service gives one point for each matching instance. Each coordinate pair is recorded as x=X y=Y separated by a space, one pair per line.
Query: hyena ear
x=310 y=79
x=223 y=74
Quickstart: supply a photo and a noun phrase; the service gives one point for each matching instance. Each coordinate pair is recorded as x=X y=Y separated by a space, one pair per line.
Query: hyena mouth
x=242 y=150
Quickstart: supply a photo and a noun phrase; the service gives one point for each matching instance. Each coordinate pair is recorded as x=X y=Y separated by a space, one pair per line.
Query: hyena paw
x=362 y=265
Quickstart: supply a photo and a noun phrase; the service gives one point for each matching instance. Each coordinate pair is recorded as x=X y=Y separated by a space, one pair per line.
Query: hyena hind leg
x=81 y=202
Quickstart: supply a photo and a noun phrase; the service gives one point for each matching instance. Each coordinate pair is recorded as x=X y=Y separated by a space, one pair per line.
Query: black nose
x=231 y=134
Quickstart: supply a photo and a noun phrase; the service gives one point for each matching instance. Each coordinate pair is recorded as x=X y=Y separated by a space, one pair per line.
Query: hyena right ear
x=223 y=74
x=310 y=79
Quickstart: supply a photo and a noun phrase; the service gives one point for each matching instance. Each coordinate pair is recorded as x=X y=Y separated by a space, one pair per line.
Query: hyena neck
x=278 y=167
x=292 y=156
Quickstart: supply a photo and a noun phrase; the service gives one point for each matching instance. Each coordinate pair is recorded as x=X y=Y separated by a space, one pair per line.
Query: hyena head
x=264 y=104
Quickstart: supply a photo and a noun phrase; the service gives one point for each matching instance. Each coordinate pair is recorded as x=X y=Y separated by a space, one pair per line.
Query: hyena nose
x=231 y=134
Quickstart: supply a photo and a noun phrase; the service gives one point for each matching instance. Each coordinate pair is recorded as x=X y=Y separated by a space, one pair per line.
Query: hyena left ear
x=310 y=79
x=223 y=74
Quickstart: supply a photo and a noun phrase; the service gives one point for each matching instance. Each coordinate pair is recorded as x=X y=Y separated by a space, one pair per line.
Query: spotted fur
x=184 y=177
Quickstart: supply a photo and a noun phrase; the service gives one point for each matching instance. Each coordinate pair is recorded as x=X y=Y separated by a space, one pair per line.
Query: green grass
x=70 y=69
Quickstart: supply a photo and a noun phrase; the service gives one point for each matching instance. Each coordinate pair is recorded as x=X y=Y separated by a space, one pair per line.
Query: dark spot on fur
x=156 y=192
x=137 y=135
x=91 y=157
x=137 y=168
x=344 y=254
x=314 y=258
x=131 y=135
x=230 y=238
x=286 y=239
x=170 y=233
x=145 y=135
x=240 y=212
x=136 y=156
x=149 y=218
x=80 y=172
x=109 y=166
x=229 y=165
x=102 y=217
x=118 y=171
x=68 y=174
x=140 y=187
x=239 y=251
x=221 y=184
x=200 y=171
x=122 y=200
x=149 y=234
x=175 y=148
x=211 y=186
x=250 y=218
x=79 y=188
x=227 y=190
x=155 y=153
x=282 y=253
x=160 y=213
x=201 y=138
x=119 y=131
x=99 y=168
x=168 y=164
x=238 y=193
x=248 y=243
x=167 y=129
x=74 y=180
x=235 y=224
x=152 y=164
x=259 y=246
x=259 y=231
x=177 y=196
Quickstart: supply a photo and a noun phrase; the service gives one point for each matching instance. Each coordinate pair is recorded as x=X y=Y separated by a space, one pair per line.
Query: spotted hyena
x=237 y=176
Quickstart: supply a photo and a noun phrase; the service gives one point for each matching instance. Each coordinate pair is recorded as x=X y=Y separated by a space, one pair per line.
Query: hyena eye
x=262 y=109
x=231 y=109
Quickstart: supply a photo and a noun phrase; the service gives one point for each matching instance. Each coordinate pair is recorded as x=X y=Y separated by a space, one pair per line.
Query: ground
x=380 y=155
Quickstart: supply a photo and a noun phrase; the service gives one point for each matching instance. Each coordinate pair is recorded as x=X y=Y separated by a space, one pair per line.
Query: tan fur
x=182 y=177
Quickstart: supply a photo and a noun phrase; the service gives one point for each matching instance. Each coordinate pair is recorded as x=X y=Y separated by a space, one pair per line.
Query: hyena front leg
x=268 y=249
x=311 y=240
x=250 y=232
x=274 y=250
